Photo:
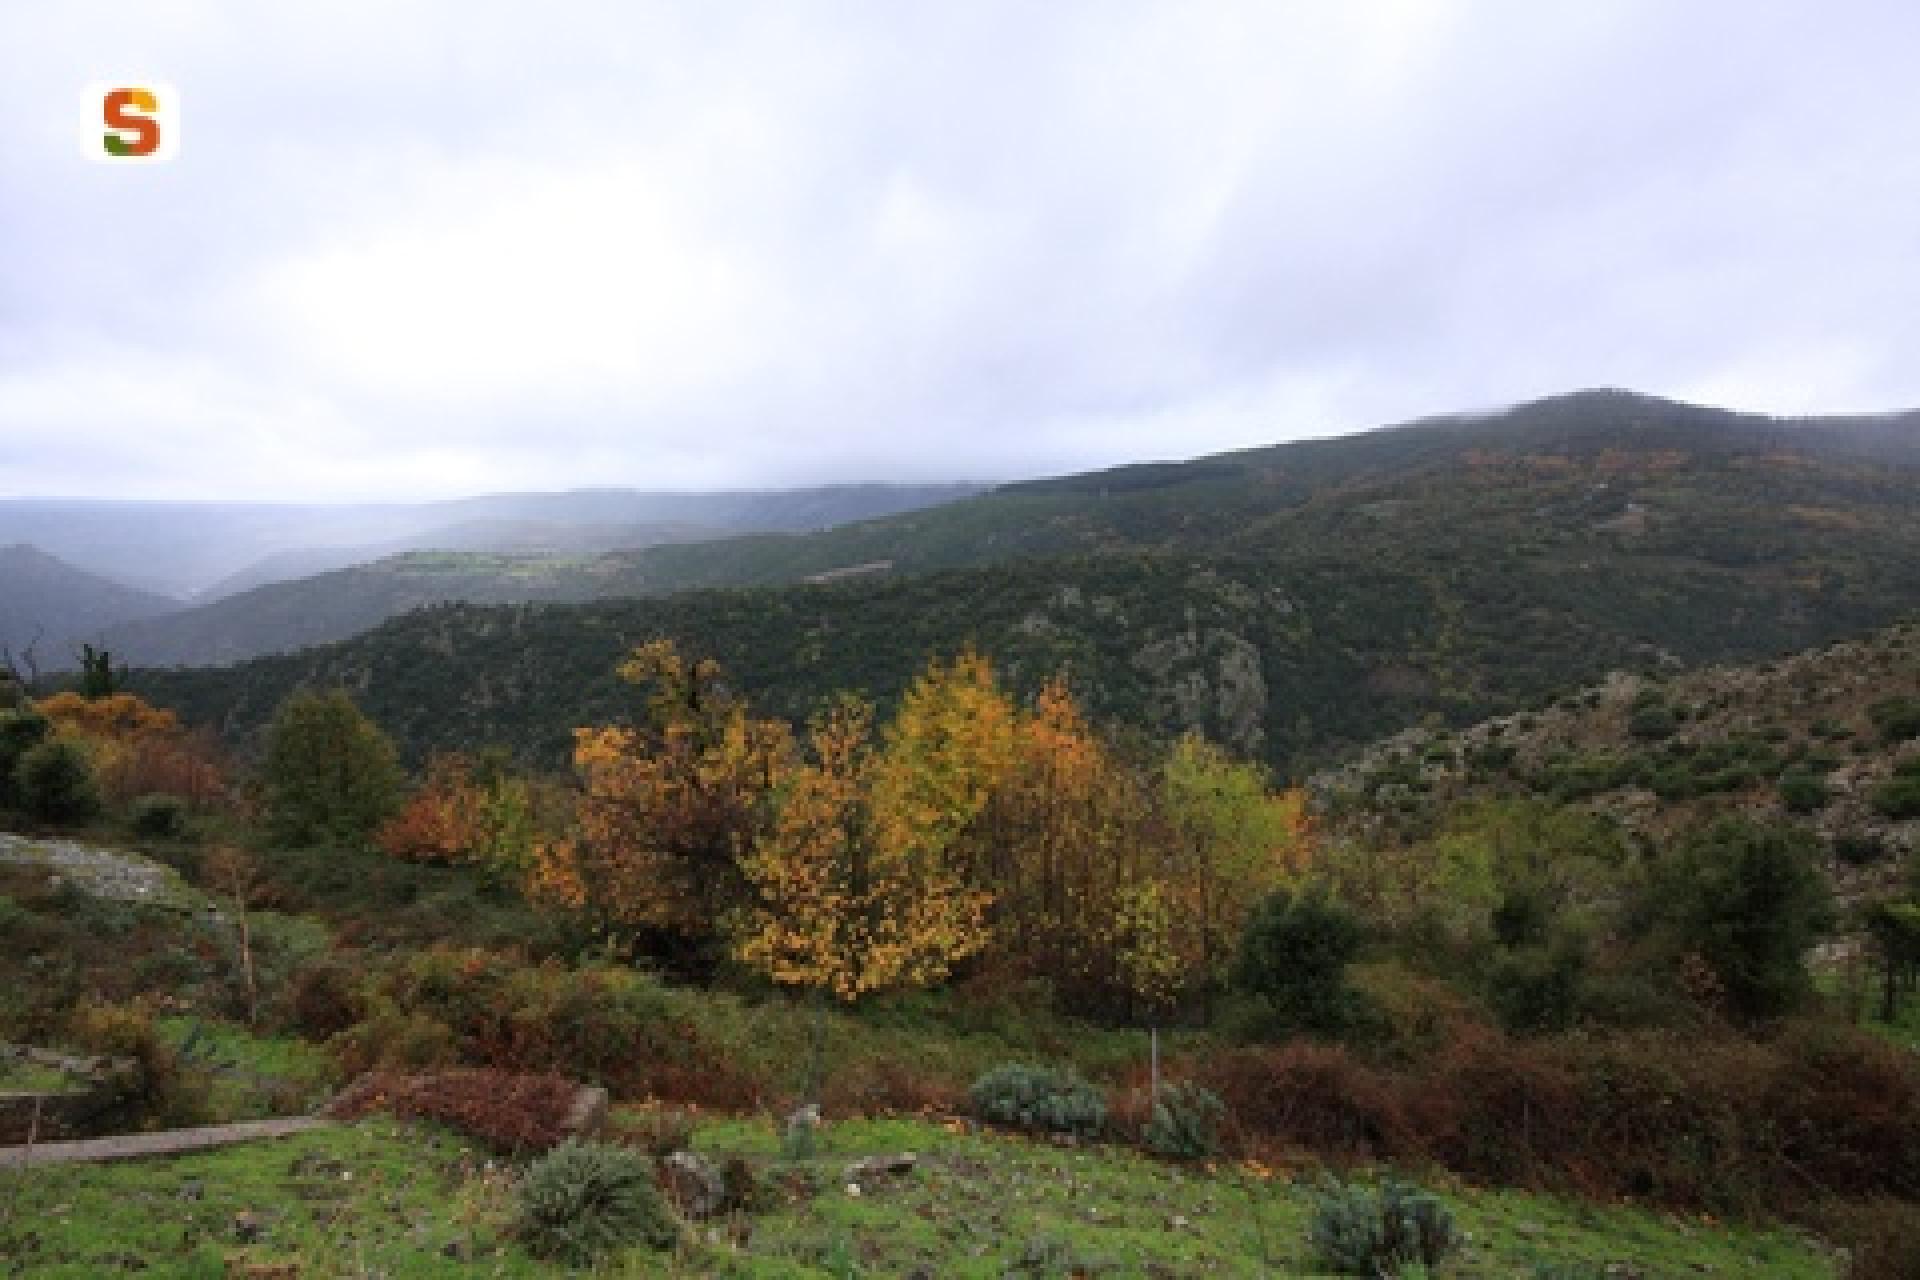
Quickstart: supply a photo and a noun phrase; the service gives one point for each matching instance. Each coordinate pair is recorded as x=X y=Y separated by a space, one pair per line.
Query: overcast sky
x=431 y=249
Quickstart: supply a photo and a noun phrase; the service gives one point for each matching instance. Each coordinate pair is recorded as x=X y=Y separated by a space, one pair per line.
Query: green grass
x=988 y=1205
x=17 y=1076
x=1863 y=1005
x=379 y=1198
x=253 y=1075
x=361 y=1200
x=935 y=1037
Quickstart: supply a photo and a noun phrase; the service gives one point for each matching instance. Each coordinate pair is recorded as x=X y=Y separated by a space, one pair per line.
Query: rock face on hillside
x=1656 y=753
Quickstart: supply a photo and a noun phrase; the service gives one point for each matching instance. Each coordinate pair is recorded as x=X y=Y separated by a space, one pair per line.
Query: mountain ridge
x=1290 y=613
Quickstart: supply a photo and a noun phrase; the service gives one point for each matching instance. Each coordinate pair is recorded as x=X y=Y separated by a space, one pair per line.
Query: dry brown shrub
x=881 y=1086
x=1315 y=1096
x=509 y=1112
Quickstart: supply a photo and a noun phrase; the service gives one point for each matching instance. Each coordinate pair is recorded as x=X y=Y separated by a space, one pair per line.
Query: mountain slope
x=1245 y=500
x=1700 y=483
x=1330 y=594
x=186 y=547
x=52 y=607
x=284 y=616
x=484 y=537
x=1812 y=737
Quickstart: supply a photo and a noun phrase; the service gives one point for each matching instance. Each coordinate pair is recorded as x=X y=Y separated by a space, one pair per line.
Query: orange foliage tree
x=667 y=811
x=139 y=749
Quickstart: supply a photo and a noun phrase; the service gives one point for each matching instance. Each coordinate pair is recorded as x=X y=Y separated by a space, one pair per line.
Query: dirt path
x=172 y=1142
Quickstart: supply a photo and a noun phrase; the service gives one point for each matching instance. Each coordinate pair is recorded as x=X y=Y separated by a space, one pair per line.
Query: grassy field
x=379 y=1199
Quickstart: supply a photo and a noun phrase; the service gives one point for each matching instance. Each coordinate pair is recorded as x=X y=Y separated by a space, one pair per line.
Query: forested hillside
x=1288 y=611
x=1828 y=739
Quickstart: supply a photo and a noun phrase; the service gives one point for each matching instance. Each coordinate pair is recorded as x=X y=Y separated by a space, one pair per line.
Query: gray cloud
x=419 y=249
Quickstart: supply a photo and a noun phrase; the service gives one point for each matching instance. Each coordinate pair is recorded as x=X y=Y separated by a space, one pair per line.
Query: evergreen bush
x=1186 y=1123
x=1038 y=1099
x=1357 y=1232
x=55 y=783
x=158 y=817
x=584 y=1201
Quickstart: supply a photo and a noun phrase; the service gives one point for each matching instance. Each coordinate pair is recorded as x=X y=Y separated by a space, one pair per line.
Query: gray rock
x=874 y=1168
x=693 y=1184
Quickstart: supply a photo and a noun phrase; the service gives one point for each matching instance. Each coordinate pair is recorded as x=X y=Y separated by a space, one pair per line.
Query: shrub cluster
x=1357 y=1231
x=612 y=1026
x=1725 y=1123
x=1038 y=1100
x=163 y=1092
x=511 y=1113
x=1899 y=796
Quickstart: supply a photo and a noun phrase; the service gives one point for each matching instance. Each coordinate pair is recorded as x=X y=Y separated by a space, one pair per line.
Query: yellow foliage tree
x=851 y=900
x=1229 y=842
x=667 y=812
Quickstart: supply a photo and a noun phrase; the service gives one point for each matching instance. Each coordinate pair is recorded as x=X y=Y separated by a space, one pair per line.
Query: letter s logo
x=131 y=111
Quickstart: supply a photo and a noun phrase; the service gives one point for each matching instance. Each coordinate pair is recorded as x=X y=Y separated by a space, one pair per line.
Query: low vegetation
x=1039 y=949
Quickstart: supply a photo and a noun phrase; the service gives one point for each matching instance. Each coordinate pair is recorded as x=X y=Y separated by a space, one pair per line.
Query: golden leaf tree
x=855 y=893
x=668 y=811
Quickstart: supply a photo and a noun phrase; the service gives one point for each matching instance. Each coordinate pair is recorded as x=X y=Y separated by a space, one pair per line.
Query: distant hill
x=1240 y=501
x=52 y=607
x=1295 y=601
x=483 y=537
x=183 y=548
x=284 y=616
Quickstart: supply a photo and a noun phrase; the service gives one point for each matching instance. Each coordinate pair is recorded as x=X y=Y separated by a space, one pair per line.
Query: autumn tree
x=667 y=811
x=1231 y=841
x=947 y=749
x=850 y=900
x=477 y=811
x=1062 y=854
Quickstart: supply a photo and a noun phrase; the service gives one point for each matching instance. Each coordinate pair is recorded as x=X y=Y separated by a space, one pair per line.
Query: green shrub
x=1748 y=899
x=1186 y=1123
x=54 y=782
x=1899 y=796
x=21 y=730
x=1897 y=718
x=1358 y=1232
x=331 y=775
x=1803 y=793
x=158 y=817
x=583 y=1201
x=1293 y=959
x=1859 y=848
x=1652 y=722
x=1038 y=1100
x=164 y=1092
x=1536 y=989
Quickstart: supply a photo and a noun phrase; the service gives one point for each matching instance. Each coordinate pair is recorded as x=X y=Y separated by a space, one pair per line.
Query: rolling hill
x=50 y=607
x=1294 y=601
x=185 y=548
